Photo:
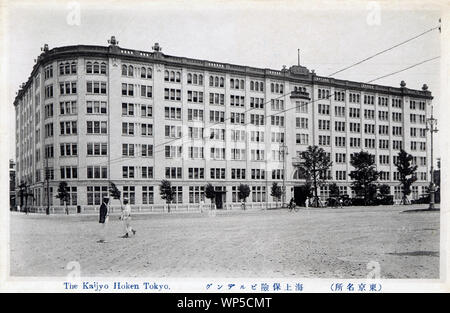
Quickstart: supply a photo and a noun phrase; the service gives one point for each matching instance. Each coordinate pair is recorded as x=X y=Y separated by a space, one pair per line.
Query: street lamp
x=432 y=128
x=284 y=153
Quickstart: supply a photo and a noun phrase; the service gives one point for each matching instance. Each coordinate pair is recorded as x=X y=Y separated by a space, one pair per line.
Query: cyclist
x=291 y=204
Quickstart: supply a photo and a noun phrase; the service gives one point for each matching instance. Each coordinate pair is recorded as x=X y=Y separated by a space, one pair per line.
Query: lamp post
x=284 y=153
x=432 y=128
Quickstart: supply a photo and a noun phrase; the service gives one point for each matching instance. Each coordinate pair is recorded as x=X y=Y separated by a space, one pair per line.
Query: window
x=97 y=148
x=97 y=172
x=172 y=113
x=172 y=76
x=172 y=131
x=217 y=153
x=68 y=149
x=146 y=110
x=256 y=103
x=69 y=172
x=127 y=70
x=173 y=151
x=96 y=127
x=129 y=192
x=238 y=154
x=147 y=150
x=146 y=91
x=237 y=118
x=302 y=139
x=174 y=172
x=68 y=128
x=127 y=172
x=127 y=90
x=195 y=96
x=216 y=81
x=172 y=94
x=127 y=109
x=48 y=72
x=217 y=173
x=196 y=173
x=96 y=87
x=196 y=194
x=257 y=119
x=324 y=109
x=95 y=194
x=195 y=79
x=195 y=115
x=256 y=86
x=146 y=129
x=96 y=107
x=68 y=108
x=147 y=195
x=195 y=152
x=146 y=72
x=67 y=88
x=128 y=150
x=128 y=129
x=217 y=116
x=147 y=172
x=238 y=173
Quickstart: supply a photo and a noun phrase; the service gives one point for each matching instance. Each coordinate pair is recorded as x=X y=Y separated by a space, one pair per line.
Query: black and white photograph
x=224 y=146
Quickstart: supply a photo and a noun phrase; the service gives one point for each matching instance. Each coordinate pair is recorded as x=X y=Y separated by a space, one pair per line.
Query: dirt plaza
x=312 y=243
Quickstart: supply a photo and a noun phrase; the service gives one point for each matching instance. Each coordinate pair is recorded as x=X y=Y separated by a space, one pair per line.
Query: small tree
x=314 y=165
x=243 y=193
x=276 y=192
x=115 y=192
x=384 y=190
x=22 y=194
x=63 y=194
x=364 y=176
x=167 y=193
x=210 y=193
x=334 y=190
x=406 y=173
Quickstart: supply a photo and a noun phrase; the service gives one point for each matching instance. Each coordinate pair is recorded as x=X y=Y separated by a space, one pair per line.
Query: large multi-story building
x=98 y=114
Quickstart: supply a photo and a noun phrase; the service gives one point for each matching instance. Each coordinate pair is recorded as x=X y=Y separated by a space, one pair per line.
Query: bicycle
x=293 y=206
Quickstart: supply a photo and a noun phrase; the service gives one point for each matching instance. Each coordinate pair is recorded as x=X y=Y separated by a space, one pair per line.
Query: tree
x=334 y=190
x=243 y=193
x=24 y=193
x=406 y=173
x=314 y=165
x=276 y=192
x=115 y=192
x=385 y=190
x=364 y=176
x=167 y=193
x=63 y=194
x=210 y=193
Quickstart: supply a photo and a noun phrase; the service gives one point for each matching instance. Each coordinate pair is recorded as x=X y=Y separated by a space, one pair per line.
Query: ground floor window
x=178 y=196
x=72 y=196
x=324 y=192
x=147 y=195
x=258 y=193
x=415 y=192
x=95 y=194
x=234 y=194
x=129 y=192
x=398 y=192
x=196 y=194
x=343 y=190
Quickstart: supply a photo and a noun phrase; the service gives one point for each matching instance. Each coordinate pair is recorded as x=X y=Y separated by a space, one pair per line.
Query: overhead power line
x=406 y=68
x=383 y=51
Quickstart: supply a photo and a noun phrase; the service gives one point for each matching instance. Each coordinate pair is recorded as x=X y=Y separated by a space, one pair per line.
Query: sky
x=265 y=34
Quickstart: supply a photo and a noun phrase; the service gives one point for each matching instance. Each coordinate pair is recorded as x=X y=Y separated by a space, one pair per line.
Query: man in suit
x=103 y=219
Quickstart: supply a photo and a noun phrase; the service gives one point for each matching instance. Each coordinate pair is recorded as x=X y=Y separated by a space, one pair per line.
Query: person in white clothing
x=126 y=218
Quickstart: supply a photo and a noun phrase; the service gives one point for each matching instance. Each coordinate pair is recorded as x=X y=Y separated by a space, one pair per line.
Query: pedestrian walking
x=126 y=219
x=307 y=202
x=103 y=219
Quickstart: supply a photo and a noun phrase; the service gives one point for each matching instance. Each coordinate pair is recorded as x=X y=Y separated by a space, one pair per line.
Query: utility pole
x=432 y=128
x=47 y=174
x=284 y=153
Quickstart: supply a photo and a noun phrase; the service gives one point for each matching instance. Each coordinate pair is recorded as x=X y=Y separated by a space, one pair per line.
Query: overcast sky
x=262 y=34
